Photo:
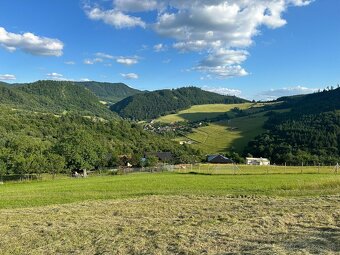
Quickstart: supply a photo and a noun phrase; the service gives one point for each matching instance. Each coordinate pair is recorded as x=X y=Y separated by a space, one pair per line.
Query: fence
x=250 y=169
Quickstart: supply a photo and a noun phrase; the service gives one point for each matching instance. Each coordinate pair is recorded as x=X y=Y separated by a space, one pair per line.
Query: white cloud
x=93 y=61
x=273 y=94
x=30 y=43
x=130 y=76
x=7 y=77
x=104 y=55
x=160 y=47
x=127 y=60
x=136 y=6
x=85 y=79
x=57 y=77
x=70 y=63
x=223 y=30
x=223 y=91
x=115 y=18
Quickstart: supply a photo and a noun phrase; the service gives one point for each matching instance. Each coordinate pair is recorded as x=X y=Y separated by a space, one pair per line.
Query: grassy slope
x=201 y=112
x=218 y=137
x=19 y=195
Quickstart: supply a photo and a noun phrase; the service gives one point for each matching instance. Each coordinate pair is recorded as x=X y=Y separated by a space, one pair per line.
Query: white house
x=258 y=161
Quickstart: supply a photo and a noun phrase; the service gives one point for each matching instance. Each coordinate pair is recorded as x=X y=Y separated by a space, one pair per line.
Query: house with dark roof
x=162 y=156
x=219 y=159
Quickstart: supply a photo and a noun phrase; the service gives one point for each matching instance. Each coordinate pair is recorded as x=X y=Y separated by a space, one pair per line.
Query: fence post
x=301 y=167
x=319 y=168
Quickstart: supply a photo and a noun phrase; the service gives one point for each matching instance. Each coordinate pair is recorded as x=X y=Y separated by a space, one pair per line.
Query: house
x=219 y=159
x=258 y=161
x=162 y=156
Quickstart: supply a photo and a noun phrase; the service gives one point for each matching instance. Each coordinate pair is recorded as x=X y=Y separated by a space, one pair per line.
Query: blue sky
x=255 y=49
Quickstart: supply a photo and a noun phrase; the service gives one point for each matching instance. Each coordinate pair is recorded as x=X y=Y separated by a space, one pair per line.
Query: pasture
x=202 y=112
x=173 y=213
x=232 y=134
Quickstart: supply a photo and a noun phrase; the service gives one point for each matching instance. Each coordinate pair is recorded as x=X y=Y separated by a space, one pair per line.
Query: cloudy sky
x=252 y=48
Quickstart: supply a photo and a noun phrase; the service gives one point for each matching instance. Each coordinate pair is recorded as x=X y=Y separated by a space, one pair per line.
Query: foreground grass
x=176 y=225
x=62 y=191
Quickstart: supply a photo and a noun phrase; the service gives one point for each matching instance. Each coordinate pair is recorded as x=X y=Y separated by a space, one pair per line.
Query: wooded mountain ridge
x=150 y=105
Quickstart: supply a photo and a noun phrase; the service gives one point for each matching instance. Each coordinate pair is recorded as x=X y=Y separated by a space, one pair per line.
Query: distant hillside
x=309 y=133
x=53 y=96
x=110 y=92
x=327 y=100
x=151 y=105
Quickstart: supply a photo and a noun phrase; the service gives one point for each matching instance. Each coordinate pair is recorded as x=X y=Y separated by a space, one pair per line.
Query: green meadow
x=199 y=212
x=202 y=112
x=69 y=190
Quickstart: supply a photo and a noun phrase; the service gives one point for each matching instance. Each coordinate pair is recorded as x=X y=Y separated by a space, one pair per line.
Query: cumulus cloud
x=220 y=29
x=7 y=77
x=115 y=18
x=223 y=91
x=30 y=43
x=273 y=94
x=130 y=76
x=136 y=6
x=127 y=60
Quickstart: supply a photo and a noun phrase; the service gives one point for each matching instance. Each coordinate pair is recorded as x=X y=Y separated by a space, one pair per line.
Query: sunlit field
x=206 y=209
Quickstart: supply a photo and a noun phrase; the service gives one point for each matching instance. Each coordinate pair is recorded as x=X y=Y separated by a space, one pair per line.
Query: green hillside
x=109 y=92
x=32 y=142
x=231 y=135
x=205 y=112
x=53 y=96
x=308 y=134
x=154 y=104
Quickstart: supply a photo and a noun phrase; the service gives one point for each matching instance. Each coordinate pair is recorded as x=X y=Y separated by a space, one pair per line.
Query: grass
x=221 y=136
x=176 y=225
x=202 y=112
x=173 y=213
x=62 y=191
x=233 y=135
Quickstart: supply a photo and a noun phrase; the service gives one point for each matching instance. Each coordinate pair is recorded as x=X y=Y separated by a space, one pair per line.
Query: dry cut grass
x=176 y=225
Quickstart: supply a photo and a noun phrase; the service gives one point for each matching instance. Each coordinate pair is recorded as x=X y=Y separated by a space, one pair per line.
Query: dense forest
x=151 y=105
x=109 y=92
x=55 y=97
x=307 y=134
x=36 y=142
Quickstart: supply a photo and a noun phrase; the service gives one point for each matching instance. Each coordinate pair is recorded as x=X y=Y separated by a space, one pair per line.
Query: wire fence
x=256 y=169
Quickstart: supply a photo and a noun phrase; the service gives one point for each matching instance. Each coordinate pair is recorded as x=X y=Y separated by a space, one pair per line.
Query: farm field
x=173 y=213
x=202 y=112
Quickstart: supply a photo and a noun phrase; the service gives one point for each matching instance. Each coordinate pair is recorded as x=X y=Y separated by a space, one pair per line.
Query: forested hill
x=327 y=100
x=109 y=92
x=53 y=96
x=309 y=133
x=157 y=103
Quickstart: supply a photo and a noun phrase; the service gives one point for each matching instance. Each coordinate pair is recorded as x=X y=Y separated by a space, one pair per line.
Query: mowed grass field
x=202 y=112
x=173 y=213
x=220 y=136
x=234 y=134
